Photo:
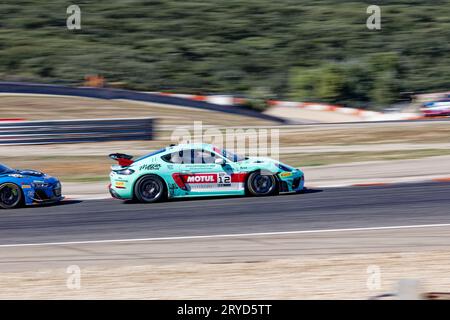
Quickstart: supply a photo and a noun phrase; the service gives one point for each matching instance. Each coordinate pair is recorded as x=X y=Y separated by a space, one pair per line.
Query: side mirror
x=219 y=161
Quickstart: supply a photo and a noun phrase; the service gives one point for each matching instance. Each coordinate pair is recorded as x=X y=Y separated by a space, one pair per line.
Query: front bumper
x=292 y=182
x=298 y=183
x=42 y=193
x=49 y=201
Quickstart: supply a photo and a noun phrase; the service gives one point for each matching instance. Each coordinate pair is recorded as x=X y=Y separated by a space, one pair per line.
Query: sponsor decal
x=201 y=166
x=201 y=178
x=120 y=184
x=153 y=166
x=214 y=180
x=224 y=180
x=172 y=187
x=286 y=174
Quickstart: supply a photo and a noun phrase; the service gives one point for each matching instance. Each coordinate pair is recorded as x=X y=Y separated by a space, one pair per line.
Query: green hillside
x=313 y=50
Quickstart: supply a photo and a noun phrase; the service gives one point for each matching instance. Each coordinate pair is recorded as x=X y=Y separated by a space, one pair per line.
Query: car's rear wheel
x=261 y=184
x=10 y=196
x=149 y=189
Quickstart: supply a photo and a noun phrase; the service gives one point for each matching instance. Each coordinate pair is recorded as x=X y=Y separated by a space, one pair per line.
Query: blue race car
x=27 y=187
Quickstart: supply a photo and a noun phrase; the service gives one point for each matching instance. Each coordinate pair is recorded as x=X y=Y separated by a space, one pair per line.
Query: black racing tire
x=149 y=189
x=261 y=184
x=11 y=196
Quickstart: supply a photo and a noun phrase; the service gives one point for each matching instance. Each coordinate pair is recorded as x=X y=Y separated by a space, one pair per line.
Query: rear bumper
x=120 y=186
x=114 y=194
x=120 y=194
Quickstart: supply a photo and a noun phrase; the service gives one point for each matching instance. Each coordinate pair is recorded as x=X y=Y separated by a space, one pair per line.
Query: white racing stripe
x=238 y=235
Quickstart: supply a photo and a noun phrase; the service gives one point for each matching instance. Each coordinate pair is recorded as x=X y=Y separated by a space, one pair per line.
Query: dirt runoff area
x=357 y=276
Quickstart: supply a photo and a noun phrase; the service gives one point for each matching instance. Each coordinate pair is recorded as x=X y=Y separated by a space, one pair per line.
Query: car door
x=203 y=176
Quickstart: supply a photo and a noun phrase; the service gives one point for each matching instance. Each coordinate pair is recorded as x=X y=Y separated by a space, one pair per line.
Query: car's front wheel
x=261 y=184
x=149 y=189
x=10 y=196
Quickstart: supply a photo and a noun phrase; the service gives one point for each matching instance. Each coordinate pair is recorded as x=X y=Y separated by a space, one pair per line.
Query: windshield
x=5 y=169
x=230 y=155
x=150 y=155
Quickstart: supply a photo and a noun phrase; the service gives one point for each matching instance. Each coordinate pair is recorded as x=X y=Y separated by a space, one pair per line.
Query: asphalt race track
x=333 y=208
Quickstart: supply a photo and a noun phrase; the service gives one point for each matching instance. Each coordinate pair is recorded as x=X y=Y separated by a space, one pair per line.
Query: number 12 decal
x=224 y=180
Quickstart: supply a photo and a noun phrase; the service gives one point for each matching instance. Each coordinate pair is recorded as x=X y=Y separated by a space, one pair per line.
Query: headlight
x=125 y=172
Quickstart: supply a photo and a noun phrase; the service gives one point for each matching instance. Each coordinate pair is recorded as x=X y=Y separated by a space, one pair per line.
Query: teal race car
x=189 y=170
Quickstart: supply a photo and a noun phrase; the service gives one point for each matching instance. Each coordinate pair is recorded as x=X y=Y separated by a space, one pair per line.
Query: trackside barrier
x=74 y=131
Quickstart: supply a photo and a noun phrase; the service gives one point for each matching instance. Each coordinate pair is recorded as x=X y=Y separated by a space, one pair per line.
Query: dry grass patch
x=58 y=107
x=332 y=277
x=388 y=133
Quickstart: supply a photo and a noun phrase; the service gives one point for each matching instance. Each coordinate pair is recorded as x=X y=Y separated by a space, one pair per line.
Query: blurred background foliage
x=317 y=50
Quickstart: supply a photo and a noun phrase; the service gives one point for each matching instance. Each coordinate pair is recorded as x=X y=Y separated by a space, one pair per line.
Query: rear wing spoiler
x=124 y=160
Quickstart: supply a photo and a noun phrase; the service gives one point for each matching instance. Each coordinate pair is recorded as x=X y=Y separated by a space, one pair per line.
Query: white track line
x=237 y=235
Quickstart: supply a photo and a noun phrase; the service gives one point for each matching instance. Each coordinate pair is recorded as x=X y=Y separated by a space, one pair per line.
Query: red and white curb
x=11 y=119
x=311 y=106
x=365 y=115
x=215 y=99
x=362 y=114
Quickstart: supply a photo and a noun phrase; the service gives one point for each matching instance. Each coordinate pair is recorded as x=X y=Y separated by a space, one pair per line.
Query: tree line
x=317 y=50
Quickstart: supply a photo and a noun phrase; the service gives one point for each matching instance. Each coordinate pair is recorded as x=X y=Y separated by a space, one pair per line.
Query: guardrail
x=74 y=131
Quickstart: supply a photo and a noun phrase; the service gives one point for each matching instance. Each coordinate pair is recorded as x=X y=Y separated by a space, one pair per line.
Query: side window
x=204 y=156
x=201 y=156
x=191 y=156
x=179 y=157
